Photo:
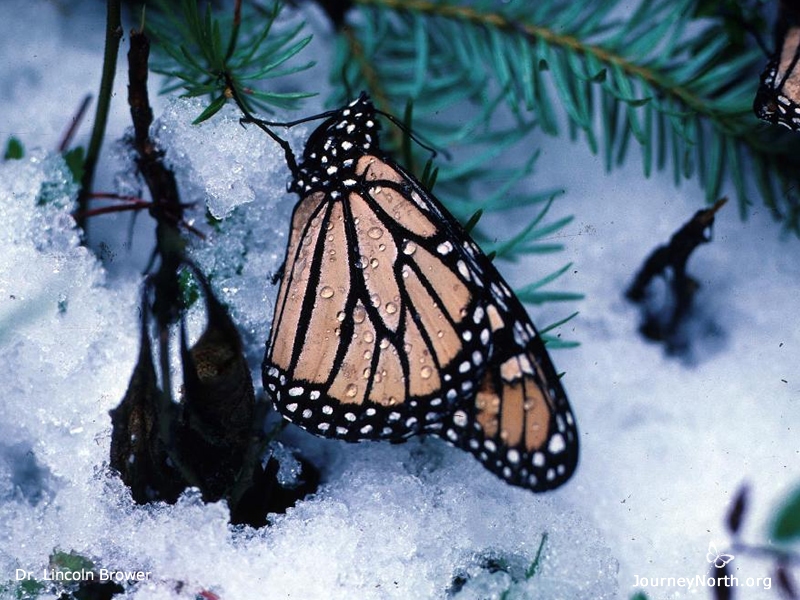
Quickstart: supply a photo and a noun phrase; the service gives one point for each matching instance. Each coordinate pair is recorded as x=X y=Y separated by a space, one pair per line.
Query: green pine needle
x=226 y=56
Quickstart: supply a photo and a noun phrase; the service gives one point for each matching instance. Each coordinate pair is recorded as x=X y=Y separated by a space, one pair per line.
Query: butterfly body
x=391 y=322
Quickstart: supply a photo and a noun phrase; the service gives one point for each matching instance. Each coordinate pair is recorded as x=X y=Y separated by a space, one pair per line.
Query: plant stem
x=113 y=37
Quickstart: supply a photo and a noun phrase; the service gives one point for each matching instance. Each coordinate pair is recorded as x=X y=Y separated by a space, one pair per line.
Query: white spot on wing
x=460 y=418
x=556 y=444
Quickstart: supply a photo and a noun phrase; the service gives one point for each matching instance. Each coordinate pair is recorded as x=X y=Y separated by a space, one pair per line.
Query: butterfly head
x=336 y=145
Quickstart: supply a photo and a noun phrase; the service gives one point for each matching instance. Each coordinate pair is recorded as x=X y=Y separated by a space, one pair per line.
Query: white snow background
x=665 y=444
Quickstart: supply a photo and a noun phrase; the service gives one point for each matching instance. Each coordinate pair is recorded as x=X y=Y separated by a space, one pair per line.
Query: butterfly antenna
x=404 y=127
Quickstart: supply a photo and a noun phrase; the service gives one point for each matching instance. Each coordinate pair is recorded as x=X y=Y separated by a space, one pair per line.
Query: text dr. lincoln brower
x=84 y=575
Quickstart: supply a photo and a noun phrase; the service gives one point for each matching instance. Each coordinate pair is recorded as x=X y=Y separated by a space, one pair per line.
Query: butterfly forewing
x=390 y=321
x=377 y=331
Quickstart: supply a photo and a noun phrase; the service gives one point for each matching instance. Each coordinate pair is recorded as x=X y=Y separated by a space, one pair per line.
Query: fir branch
x=685 y=99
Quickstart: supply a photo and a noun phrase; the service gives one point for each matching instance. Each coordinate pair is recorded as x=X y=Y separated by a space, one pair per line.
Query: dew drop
x=340 y=316
x=384 y=343
x=382 y=247
x=326 y=292
x=425 y=372
x=375 y=300
x=483 y=403
x=359 y=314
x=367 y=372
x=391 y=308
x=375 y=233
x=369 y=337
x=409 y=248
x=351 y=390
x=374 y=263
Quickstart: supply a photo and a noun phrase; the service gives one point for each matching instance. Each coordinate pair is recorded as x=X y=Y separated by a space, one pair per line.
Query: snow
x=665 y=443
x=242 y=181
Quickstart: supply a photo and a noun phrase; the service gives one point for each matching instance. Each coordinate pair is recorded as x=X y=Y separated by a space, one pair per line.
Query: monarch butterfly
x=778 y=98
x=390 y=321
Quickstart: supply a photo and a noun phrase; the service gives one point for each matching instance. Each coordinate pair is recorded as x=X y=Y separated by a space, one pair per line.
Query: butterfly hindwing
x=520 y=424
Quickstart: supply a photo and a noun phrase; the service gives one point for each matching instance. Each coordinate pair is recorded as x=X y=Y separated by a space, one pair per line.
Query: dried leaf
x=218 y=401
x=736 y=513
x=137 y=451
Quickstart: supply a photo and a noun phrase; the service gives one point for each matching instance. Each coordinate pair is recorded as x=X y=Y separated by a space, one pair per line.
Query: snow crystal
x=240 y=175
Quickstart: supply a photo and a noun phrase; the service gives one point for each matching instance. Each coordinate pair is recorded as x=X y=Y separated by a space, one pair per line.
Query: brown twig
x=166 y=206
